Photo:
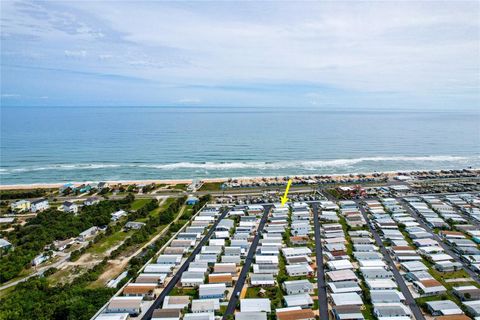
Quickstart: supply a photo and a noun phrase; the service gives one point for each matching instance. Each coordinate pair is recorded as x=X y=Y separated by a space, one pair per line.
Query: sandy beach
x=389 y=174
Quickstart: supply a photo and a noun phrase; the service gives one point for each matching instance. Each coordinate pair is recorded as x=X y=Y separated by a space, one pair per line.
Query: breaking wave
x=254 y=165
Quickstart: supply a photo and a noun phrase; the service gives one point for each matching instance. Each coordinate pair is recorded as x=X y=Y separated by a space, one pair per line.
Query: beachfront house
x=39 y=205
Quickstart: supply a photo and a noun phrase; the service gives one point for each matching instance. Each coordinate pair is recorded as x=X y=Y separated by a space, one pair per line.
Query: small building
x=221 y=278
x=135 y=225
x=225 y=268
x=443 y=308
x=140 y=290
x=467 y=293
x=255 y=305
x=473 y=307
x=130 y=305
x=191 y=200
x=264 y=280
x=68 y=206
x=169 y=259
x=296 y=270
x=341 y=275
x=295 y=314
x=39 y=259
x=250 y=315
x=346 y=299
x=39 y=205
x=192 y=279
x=158 y=268
x=389 y=311
x=349 y=312
x=156 y=278
x=302 y=300
x=298 y=286
x=429 y=287
x=176 y=302
x=90 y=232
x=118 y=214
x=205 y=305
x=113 y=316
x=212 y=291
x=91 y=201
x=21 y=205
x=386 y=296
x=199 y=316
x=5 y=245
x=166 y=314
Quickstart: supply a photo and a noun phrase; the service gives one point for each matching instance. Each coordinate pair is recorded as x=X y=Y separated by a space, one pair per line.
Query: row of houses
x=293 y=260
x=468 y=203
x=137 y=295
x=42 y=204
x=415 y=249
x=354 y=262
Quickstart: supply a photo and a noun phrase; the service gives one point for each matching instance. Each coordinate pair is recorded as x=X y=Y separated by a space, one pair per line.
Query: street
x=232 y=304
x=321 y=286
x=410 y=301
x=171 y=284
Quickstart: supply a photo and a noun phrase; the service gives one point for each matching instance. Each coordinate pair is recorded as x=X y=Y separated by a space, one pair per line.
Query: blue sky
x=332 y=54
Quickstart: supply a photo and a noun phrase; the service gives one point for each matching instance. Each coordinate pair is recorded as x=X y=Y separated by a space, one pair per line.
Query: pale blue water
x=87 y=143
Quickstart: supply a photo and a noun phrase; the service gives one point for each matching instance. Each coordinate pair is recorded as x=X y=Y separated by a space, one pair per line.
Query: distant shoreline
x=389 y=174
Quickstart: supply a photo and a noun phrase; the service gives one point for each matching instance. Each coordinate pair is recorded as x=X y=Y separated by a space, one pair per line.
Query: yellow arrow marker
x=284 y=198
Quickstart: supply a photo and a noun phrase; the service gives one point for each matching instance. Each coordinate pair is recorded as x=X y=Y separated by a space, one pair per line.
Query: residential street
x=232 y=304
x=321 y=286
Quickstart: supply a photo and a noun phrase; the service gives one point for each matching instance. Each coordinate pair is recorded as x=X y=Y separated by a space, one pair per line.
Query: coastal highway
x=232 y=304
x=178 y=275
x=410 y=301
x=321 y=286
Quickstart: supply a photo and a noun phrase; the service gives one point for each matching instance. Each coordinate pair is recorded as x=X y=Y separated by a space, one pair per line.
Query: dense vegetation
x=29 y=240
x=20 y=194
x=151 y=225
x=36 y=299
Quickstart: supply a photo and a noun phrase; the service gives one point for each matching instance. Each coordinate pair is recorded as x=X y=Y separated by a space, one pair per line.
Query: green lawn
x=164 y=206
x=179 y=186
x=211 y=186
x=108 y=242
x=449 y=275
x=138 y=203
x=184 y=292
x=273 y=293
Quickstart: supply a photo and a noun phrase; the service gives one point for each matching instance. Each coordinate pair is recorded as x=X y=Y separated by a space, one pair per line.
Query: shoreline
x=389 y=174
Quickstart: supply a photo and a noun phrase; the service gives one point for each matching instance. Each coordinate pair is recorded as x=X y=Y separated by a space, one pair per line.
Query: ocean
x=61 y=144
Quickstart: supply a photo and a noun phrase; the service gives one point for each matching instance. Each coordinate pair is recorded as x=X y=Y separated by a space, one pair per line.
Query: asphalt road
x=171 y=284
x=445 y=247
x=232 y=304
x=410 y=301
x=321 y=286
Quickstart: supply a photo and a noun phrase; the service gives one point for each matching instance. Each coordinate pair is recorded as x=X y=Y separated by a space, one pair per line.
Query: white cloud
x=415 y=48
x=75 y=53
x=105 y=56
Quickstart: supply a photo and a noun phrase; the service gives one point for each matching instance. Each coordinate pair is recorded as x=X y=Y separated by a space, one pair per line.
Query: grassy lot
x=109 y=242
x=422 y=301
x=179 y=186
x=164 y=206
x=184 y=292
x=211 y=186
x=449 y=275
x=273 y=293
x=138 y=203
